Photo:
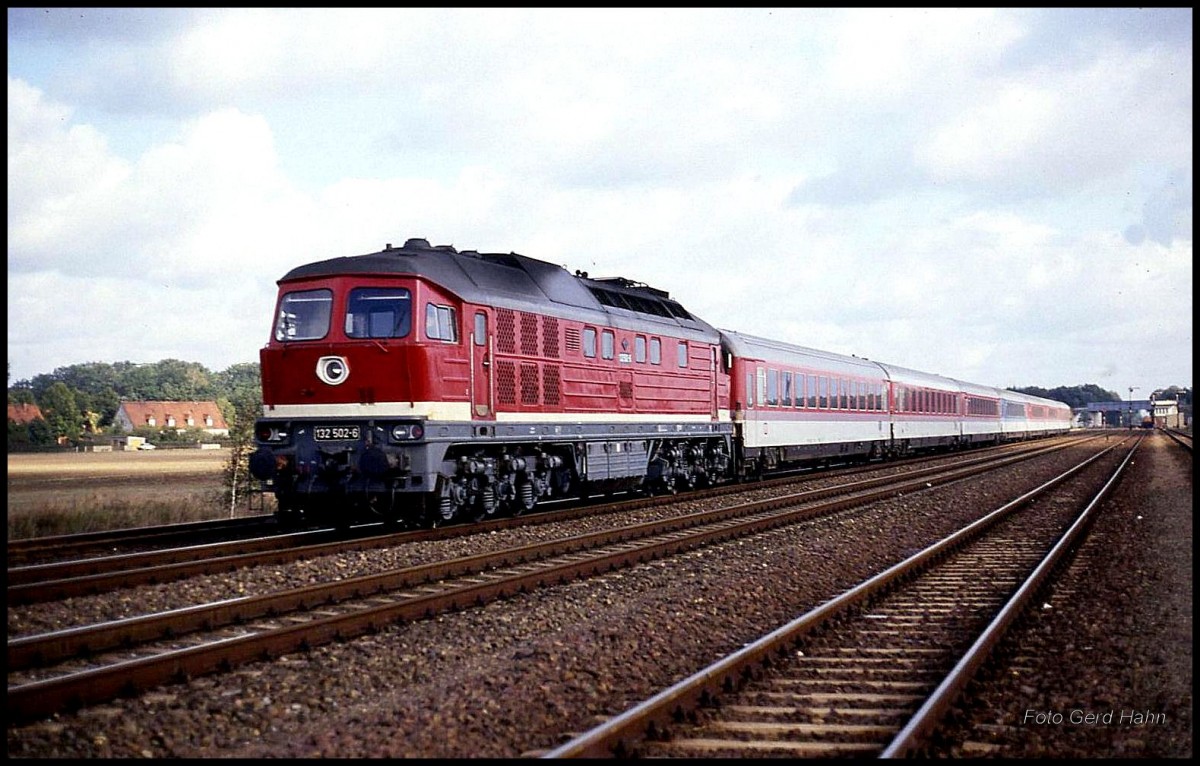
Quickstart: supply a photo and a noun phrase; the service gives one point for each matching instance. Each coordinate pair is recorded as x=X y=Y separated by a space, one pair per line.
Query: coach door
x=482 y=366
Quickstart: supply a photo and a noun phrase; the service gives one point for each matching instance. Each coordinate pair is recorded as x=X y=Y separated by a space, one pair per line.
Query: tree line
x=82 y=399
x=1078 y=397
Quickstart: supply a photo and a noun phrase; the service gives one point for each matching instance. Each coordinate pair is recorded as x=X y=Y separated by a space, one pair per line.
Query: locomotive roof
x=511 y=280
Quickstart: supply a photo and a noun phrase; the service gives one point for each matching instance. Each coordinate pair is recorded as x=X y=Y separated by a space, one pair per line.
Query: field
x=63 y=493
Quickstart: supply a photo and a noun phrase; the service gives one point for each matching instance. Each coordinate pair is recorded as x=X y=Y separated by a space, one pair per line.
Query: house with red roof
x=181 y=416
x=22 y=414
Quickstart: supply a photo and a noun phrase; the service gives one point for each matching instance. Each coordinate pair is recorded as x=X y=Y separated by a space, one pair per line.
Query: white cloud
x=973 y=192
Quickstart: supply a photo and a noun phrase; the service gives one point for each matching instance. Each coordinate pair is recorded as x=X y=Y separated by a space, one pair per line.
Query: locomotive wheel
x=442 y=510
x=341 y=519
x=484 y=506
x=289 y=518
x=525 y=499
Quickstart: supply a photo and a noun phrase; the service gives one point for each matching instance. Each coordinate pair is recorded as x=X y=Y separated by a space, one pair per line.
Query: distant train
x=420 y=385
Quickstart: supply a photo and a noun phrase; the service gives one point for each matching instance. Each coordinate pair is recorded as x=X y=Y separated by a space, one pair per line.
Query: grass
x=67 y=493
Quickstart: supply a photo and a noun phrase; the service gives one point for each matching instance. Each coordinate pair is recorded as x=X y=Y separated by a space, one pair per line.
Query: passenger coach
x=794 y=404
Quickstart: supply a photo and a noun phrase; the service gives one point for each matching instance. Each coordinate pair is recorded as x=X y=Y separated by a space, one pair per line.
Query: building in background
x=180 y=416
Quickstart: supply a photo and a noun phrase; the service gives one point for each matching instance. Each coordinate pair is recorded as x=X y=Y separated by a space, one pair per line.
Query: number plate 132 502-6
x=335 y=433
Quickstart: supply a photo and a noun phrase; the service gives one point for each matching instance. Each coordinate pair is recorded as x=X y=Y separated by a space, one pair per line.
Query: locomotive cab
x=356 y=367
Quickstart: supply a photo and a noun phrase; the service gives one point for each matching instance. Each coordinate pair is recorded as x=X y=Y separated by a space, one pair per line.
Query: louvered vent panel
x=506 y=382
x=551 y=388
x=529 y=334
x=529 y=384
x=626 y=389
x=550 y=338
x=506 y=331
x=571 y=337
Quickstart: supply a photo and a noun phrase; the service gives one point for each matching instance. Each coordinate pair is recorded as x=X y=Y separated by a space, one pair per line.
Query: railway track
x=95 y=663
x=107 y=543
x=35 y=583
x=870 y=672
x=33 y=550
x=1182 y=438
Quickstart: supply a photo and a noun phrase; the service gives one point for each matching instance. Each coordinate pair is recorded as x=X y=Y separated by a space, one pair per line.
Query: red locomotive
x=421 y=384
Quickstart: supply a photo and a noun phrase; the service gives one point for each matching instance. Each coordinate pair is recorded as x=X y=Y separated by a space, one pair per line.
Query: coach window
x=607 y=344
x=589 y=342
x=639 y=348
x=655 y=351
x=683 y=353
x=304 y=315
x=749 y=390
x=439 y=323
x=787 y=389
x=772 y=387
x=480 y=328
x=822 y=392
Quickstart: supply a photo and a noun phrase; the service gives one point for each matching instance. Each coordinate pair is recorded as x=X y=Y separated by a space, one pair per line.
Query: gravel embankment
x=1104 y=667
x=513 y=677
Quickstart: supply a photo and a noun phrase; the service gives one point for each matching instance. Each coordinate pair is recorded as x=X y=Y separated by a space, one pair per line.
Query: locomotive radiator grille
x=506 y=382
x=529 y=384
x=506 y=331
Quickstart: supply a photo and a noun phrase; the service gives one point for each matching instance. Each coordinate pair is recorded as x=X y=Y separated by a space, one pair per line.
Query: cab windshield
x=304 y=315
x=378 y=312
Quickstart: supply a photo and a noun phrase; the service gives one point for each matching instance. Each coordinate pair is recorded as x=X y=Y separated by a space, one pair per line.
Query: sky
x=1002 y=196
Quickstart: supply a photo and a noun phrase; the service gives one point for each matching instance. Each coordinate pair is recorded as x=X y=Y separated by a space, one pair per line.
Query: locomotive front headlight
x=269 y=433
x=407 y=432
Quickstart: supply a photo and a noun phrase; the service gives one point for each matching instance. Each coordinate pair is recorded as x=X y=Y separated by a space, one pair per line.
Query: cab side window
x=440 y=323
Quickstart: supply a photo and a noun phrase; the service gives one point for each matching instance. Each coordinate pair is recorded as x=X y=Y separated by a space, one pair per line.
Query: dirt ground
x=56 y=481
x=27 y=469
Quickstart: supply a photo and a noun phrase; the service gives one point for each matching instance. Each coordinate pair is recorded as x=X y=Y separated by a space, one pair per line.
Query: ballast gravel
x=518 y=676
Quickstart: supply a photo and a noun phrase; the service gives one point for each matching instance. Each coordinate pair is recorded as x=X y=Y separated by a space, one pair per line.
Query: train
x=421 y=384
